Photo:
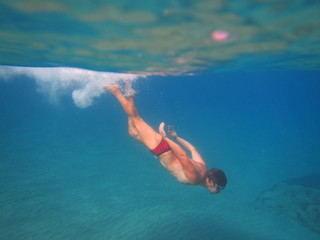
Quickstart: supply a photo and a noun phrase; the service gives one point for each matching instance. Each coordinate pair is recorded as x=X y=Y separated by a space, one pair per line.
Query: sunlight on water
x=159 y=37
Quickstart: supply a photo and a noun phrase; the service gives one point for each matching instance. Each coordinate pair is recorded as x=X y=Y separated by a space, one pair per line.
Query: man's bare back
x=191 y=171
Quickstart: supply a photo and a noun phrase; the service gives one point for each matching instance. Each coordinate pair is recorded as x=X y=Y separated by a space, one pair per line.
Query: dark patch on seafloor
x=310 y=181
x=298 y=199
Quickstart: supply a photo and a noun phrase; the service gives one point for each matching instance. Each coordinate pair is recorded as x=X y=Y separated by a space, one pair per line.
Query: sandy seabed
x=73 y=198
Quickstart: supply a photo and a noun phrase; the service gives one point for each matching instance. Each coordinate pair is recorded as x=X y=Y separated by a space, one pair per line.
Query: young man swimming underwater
x=191 y=171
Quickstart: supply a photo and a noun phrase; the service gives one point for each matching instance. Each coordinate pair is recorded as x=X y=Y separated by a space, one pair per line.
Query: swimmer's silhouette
x=192 y=171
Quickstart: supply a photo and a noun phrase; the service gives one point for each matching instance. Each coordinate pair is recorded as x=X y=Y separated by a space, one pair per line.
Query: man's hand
x=172 y=132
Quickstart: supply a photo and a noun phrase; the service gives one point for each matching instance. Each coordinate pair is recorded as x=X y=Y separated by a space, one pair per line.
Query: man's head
x=216 y=180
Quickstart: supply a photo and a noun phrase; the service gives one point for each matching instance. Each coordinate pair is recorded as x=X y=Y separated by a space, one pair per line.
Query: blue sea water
x=74 y=173
x=69 y=173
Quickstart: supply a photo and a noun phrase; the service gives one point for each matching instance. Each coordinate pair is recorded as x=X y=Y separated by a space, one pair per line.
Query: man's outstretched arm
x=194 y=152
x=188 y=168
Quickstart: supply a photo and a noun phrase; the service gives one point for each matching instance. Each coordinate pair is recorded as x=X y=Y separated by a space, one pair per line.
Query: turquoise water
x=69 y=169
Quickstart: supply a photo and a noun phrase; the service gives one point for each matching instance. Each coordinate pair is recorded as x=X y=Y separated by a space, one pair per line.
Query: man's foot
x=112 y=88
x=129 y=92
x=161 y=130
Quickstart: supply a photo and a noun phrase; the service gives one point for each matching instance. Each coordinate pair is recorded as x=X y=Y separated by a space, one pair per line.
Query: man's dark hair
x=218 y=177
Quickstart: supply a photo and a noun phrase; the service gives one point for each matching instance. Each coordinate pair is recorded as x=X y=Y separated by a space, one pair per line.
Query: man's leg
x=138 y=128
x=128 y=106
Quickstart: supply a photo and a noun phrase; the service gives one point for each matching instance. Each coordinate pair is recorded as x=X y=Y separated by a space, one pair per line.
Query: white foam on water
x=84 y=85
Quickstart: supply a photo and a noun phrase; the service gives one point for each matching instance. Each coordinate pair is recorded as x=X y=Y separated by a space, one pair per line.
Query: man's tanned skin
x=191 y=171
